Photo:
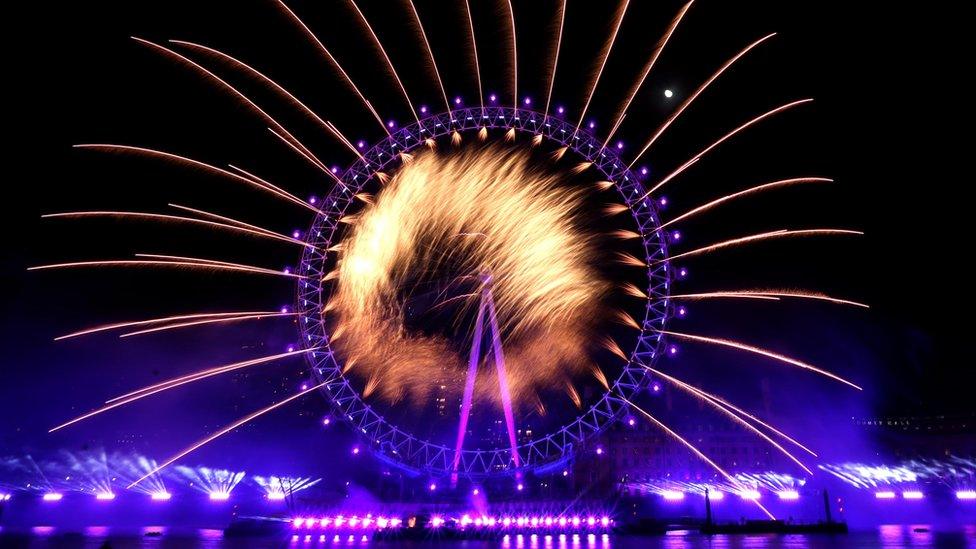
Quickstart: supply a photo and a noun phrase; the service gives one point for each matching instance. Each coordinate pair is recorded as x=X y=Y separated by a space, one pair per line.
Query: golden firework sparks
x=479 y=210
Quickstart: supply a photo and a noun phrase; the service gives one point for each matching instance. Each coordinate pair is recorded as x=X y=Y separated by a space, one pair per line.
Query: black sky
x=889 y=124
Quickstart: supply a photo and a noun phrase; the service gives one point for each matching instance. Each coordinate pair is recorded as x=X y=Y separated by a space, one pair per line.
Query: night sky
x=886 y=125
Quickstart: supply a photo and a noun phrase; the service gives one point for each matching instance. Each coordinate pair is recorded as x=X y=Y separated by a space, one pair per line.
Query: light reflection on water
x=887 y=536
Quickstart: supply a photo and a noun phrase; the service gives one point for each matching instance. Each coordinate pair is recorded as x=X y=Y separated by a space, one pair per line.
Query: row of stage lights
x=715 y=495
x=915 y=495
x=161 y=495
x=506 y=539
x=793 y=495
x=667 y=495
x=465 y=521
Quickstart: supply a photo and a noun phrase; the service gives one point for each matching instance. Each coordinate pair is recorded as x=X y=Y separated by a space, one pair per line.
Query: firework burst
x=434 y=247
x=508 y=226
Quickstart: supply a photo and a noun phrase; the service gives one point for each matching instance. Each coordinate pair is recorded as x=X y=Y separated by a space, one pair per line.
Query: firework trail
x=430 y=52
x=197 y=164
x=244 y=420
x=770 y=295
x=311 y=158
x=694 y=450
x=781 y=233
x=200 y=264
x=734 y=408
x=228 y=220
x=721 y=140
x=474 y=53
x=752 y=190
x=511 y=18
x=180 y=219
x=555 y=55
x=202 y=374
x=605 y=54
x=161 y=320
x=332 y=60
x=736 y=295
x=691 y=98
x=733 y=414
x=622 y=111
x=177 y=382
x=328 y=126
x=389 y=64
x=512 y=225
x=206 y=321
x=763 y=352
x=224 y=84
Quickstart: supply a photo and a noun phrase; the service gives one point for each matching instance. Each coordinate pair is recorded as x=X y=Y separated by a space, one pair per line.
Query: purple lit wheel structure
x=545 y=451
